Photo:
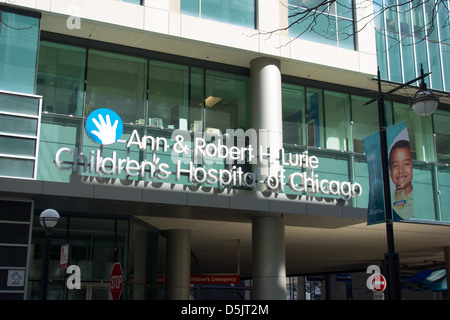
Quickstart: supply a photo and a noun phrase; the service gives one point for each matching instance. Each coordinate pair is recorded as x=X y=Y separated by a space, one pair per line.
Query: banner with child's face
x=400 y=174
x=400 y=171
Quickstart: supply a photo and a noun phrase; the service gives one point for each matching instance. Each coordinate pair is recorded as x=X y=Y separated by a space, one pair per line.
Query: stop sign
x=116 y=281
x=379 y=282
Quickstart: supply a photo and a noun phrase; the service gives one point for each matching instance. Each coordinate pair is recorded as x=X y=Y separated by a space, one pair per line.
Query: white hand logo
x=106 y=132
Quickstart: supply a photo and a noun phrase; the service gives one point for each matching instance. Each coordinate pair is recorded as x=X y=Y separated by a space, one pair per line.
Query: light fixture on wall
x=211 y=101
x=424 y=102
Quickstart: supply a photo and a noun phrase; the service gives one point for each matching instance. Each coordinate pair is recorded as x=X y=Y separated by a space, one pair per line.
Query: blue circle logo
x=104 y=126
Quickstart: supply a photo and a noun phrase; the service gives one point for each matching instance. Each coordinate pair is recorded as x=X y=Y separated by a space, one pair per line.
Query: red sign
x=116 y=281
x=215 y=279
x=64 y=257
x=379 y=282
x=209 y=279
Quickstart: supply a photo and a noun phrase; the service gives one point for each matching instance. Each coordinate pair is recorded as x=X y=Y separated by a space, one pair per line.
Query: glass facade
x=337 y=122
x=411 y=34
x=19 y=134
x=326 y=22
x=151 y=96
x=237 y=12
x=156 y=97
x=96 y=243
x=133 y=1
x=19 y=38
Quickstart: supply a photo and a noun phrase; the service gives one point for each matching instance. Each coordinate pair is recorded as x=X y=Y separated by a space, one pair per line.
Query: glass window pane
x=318 y=28
x=333 y=166
x=190 y=7
x=380 y=41
x=10 y=167
x=365 y=121
x=445 y=40
x=17 y=146
x=442 y=130
x=168 y=95
x=345 y=34
x=18 y=125
x=444 y=187
x=60 y=78
x=433 y=44
x=57 y=132
x=197 y=91
x=407 y=42
x=293 y=114
x=362 y=177
x=337 y=119
x=238 y=12
x=314 y=118
x=227 y=101
x=19 y=104
x=117 y=82
x=419 y=130
x=133 y=1
x=19 y=36
x=345 y=8
x=93 y=240
x=423 y=192
x=419 y=33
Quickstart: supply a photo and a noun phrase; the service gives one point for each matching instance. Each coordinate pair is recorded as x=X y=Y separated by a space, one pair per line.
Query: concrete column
x=269 y=269
x=178 y=268
x=330 y=286
x=447 y=269
x=268 y=256
x=266 y=110
x=268 y=243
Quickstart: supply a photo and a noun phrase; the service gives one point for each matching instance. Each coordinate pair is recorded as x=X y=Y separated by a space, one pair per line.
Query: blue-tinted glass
x=16 y=167
x=393 y=39
x=190 y=7
x=444 y=30
x=433 y=45
x=444 y=187
x=19 y=37
x=19 y=104
x=337 y=120
x=318 y=28
x=362 y=177
x=420 y=132
x=330 y=24
x=345 y=8
x=315 y=122
x=381 y=42
x=117 y=82
x=133 y=1
x=293 y=113
x=238 y=12
x=419 y=34
x=60 y=78
x=17 y=146
x=407 y=45
x=57 y=132
x=346 y=34
x=442 y=130
x=423 y=192
x=18 y=125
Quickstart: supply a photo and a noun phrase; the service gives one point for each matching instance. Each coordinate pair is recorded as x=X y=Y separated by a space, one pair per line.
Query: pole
x=45 y=265
x=391 y=258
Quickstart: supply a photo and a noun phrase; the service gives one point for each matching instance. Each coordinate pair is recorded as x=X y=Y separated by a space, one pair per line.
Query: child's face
x=401 y=170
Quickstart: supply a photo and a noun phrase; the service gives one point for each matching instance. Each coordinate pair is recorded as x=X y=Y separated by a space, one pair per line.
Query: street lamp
x=424 y=103
x=48 y=220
